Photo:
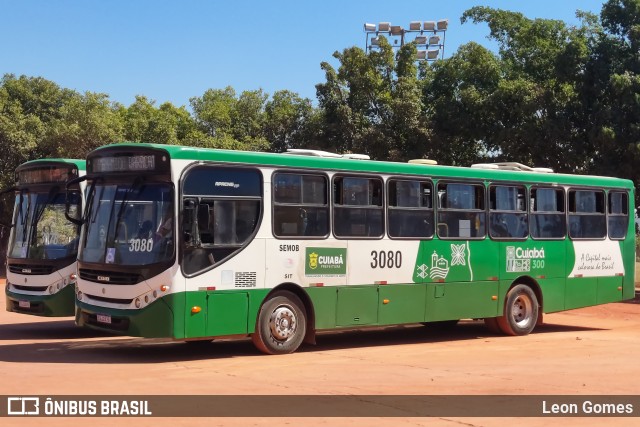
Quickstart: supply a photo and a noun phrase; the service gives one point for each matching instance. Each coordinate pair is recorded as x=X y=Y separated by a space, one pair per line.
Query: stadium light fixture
x=369 y=27
x=396 y=30
x=443 y=24
x=429 y=25
x=421 y=40
x=433 y=53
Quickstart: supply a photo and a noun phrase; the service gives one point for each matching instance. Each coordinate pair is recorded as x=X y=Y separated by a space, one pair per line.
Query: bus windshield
x=41 y=230
x=129 y=224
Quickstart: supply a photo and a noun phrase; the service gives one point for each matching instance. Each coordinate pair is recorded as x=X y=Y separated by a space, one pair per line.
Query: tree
x=287 y=116
x=371 y=104
x=536 y=105
x=231 y=122
x=611 y=93
x=457 y=98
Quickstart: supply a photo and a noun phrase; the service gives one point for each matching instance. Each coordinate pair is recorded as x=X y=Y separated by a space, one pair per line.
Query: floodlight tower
x=428 y=35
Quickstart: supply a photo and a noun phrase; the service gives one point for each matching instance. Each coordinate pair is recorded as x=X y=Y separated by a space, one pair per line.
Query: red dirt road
x=592 y=351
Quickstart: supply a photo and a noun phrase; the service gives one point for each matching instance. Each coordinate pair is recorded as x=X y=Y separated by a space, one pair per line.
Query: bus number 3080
x=141 y=245
x=386 y=259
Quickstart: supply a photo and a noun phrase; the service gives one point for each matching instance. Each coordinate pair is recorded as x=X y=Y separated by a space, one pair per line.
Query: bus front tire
x=520 y=311
x=281 y=324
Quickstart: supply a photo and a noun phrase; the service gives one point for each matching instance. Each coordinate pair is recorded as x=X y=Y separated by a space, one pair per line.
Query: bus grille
x=31 y=269
x=110 y=277
x=30 y=288
x=111 y=300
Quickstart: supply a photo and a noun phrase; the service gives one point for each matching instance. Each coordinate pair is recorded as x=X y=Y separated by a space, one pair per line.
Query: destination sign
x=134 y=163
x=44 y=175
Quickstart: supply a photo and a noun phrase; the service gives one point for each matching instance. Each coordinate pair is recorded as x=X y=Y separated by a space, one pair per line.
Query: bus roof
x=178 y=152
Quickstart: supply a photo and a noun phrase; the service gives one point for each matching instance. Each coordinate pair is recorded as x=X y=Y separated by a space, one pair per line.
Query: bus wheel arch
x=522 y=309
x=289 y=304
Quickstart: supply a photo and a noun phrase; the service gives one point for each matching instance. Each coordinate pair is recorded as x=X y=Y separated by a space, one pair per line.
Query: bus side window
x=587 y=217
x=300 y=205
x=358 y=208
x=508 y=215
x=462 y=211
x=618 y=214
x=410 y=209
x=547 y=217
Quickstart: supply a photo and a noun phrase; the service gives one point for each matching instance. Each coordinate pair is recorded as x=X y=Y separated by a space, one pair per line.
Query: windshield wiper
x=52 y=194
x=139 y=179
x=25 y=216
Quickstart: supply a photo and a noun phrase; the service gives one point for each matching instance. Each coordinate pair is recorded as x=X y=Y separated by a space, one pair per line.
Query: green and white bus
x=197 y=244
x=43 y=244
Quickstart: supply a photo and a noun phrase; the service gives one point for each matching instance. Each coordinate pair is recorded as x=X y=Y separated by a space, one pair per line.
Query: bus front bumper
x=60 y=304
x=153 y=321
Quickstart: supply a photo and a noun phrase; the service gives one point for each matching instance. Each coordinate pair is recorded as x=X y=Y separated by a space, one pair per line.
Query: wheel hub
x=522 y=311
x=283 y=323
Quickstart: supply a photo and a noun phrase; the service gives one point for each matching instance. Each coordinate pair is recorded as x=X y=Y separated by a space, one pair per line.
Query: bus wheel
x=281 y=324
x=520 y=311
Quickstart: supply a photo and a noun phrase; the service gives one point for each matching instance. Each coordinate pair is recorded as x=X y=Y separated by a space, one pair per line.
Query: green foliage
x=287 y=121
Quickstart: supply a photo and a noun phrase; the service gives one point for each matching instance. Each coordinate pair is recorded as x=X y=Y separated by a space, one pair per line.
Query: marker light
x=164 y=288
x=195 y=310
x=73 y=277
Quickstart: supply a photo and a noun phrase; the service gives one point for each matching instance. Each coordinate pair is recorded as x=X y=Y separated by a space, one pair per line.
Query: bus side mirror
x=75 y=195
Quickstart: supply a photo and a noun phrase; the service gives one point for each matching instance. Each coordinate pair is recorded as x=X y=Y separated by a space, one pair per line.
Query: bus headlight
x=79 y=296
x=137 y=302
x=52 y=289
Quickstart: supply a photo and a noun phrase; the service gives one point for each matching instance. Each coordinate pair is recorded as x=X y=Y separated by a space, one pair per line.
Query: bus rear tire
x=520 y=311
x=281 y=324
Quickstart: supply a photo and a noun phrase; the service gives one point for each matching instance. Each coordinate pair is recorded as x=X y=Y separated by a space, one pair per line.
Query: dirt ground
x=592 y=351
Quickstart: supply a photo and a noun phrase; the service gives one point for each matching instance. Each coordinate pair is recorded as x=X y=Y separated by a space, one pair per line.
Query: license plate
x=103 y=318
x=24 y=304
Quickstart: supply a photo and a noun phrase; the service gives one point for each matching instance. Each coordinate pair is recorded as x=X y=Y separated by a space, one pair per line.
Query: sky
x=171 y=51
